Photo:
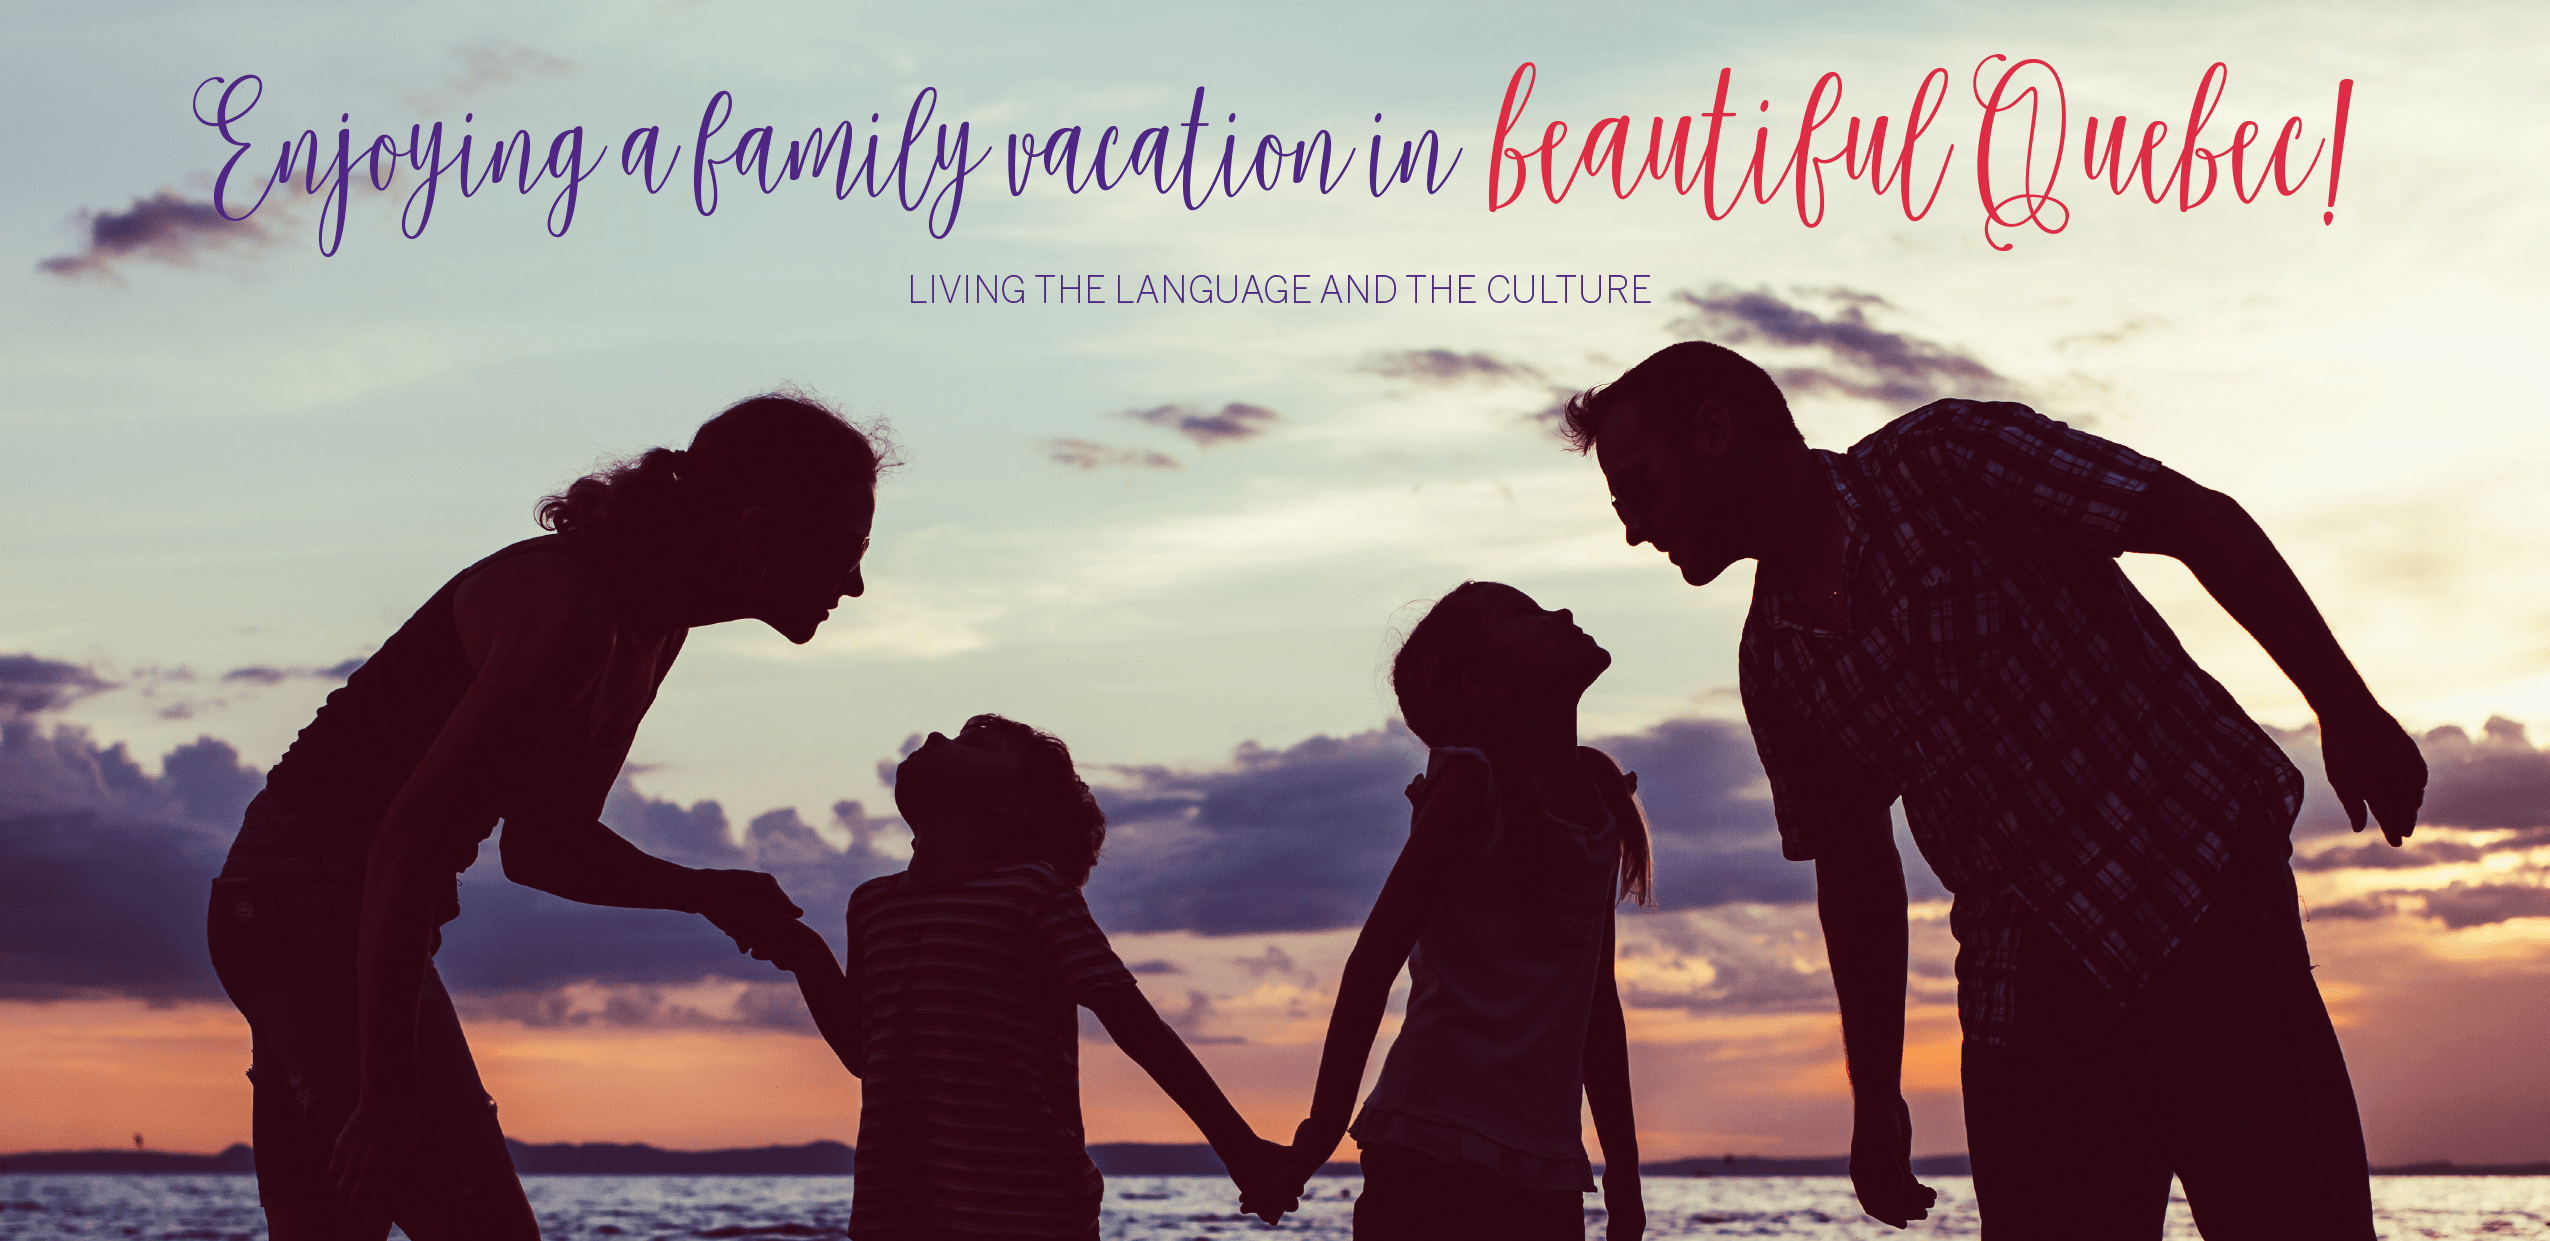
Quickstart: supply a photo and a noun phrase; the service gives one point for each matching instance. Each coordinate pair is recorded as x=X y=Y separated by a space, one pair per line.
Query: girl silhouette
x=513 y=693
x=1500 y=905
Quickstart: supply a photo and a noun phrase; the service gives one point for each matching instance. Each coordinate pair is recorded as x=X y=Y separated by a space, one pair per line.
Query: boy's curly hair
x=1068 y=828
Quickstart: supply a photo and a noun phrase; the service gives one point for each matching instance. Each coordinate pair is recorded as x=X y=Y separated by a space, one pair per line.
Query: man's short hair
x=1675 y=379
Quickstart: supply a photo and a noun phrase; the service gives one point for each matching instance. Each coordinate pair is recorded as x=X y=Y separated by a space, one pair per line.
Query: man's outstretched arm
x=1859 y=896
x=2371 y=760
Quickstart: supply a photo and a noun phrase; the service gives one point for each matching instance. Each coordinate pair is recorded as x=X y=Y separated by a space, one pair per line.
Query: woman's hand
x=750 y=907
x=797 y=948
x=373 y=1152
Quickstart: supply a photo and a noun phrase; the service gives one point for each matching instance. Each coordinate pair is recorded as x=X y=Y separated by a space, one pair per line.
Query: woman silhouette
x=513 y=694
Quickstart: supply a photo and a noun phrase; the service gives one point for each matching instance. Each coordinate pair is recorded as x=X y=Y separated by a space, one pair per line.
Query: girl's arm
x=1449 y=823
x=1607 y=1094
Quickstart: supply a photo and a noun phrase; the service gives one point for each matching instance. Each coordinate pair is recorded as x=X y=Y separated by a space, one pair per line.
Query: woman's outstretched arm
x=1451 y=818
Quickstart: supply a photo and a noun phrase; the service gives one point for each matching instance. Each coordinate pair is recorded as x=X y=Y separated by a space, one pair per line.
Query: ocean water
x=1159 y=1208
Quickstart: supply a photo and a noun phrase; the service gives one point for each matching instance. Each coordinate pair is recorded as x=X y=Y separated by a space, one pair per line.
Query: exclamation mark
x=2337 y=148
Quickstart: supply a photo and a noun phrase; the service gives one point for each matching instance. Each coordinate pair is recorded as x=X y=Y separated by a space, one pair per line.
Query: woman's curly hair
x=780 y=450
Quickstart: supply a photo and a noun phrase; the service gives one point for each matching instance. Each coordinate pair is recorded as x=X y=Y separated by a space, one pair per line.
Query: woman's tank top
x=1489 y=1063
x=367 y=739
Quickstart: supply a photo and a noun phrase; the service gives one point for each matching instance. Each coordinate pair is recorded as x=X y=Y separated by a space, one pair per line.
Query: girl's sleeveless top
x=1489 y=1063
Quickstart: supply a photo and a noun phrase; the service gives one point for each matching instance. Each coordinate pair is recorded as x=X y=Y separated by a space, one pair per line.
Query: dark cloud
x=2467 y=905
x=104 y=871
x=2378 y=855
x=1299 y=839
x=2498 y=779
x=1865 y=362
x=1091 y=455
x=163 y=228
x=261 y=674
x=2458 y=906
x=510 y=938
x=2493 y=782
x=29 y=685
x=2362 y=908
x=764 y=1004
x=1445 y=366
x=103 y=868
x=1233 y=423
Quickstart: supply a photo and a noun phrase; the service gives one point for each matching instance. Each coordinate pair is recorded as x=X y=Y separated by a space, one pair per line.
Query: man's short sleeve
x=1080 y=952
x=2009 y=471
x=1815 y=793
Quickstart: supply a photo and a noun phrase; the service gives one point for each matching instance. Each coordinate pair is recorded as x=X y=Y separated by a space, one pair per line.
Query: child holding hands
x=956 y=1008
x=1501 y=907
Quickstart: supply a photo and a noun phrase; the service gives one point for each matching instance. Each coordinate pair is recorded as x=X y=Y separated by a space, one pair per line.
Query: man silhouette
x=1937 y=616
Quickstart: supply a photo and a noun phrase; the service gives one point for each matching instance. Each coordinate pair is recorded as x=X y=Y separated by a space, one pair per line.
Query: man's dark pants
x=2224 y=1071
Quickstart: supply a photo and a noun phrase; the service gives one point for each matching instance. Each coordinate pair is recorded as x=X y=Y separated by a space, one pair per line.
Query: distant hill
x=236 y=1159
x=2446 y=1167
x=638 y=1159
x=1813 y=1165
x=1113 y=1159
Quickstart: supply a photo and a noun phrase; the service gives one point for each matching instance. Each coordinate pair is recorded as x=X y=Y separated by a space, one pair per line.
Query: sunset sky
x=1185 y=537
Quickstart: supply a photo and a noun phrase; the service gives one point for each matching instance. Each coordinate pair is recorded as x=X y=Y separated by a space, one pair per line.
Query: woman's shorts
x=282 y=930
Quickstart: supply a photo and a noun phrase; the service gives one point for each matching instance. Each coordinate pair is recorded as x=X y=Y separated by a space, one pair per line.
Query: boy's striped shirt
x=970 y=1114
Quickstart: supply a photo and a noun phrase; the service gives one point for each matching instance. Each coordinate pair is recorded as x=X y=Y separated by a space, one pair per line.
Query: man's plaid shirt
x=2054 y=747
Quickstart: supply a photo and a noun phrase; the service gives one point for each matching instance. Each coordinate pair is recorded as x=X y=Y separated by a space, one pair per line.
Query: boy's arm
x=830 y=995
x=1255 y=1164
x=1607 y=1094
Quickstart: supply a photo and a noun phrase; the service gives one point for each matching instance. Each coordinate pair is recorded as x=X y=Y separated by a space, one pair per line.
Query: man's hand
x=748 y=906
x=1624 y=1205
x=1264 y=1173
x=2373 y=763
x=1881 y=1164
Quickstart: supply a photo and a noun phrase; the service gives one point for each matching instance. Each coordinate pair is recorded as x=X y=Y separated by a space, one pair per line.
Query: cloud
x=2495 y=780
x=1234 y=423
x=163 y=228
x=29 y=685
x=1862 y=361
x=487 y=65
x=704 y=1004
x=510 y=938
x=2381 y=856
x=104 y=868
x=2467 y=905
x=1443 y=366
x=1091 y=455
x=482 y=68
x=1300 y=838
